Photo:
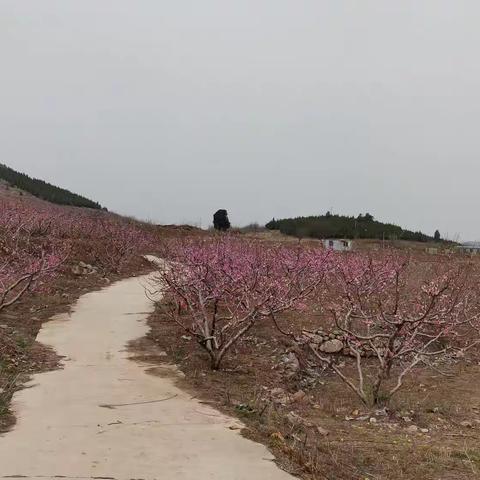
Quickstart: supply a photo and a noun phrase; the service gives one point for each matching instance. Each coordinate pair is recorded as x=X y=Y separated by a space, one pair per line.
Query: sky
x=170 y=110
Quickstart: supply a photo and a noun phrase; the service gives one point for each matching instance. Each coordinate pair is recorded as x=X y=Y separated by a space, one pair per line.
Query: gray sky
x=169 y=110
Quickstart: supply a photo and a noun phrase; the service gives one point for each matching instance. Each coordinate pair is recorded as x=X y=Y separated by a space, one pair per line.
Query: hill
x=340 y=226
x=44 y=190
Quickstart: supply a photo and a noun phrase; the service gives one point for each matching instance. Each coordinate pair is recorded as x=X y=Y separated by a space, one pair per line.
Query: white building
x=338 y=244
x=472 y=248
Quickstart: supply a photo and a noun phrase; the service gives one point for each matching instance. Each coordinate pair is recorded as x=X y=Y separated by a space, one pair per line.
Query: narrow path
x=104 y=417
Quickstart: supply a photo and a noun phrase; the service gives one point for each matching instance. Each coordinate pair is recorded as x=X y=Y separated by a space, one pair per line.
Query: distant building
x=338 y=245
x=470 y=248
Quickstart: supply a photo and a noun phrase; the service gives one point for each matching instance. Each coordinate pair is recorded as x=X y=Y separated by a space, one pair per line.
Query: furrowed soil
x=315 y=426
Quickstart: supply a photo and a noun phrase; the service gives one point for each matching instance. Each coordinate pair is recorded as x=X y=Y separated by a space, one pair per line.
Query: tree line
x=341 y=226
x=44 y=190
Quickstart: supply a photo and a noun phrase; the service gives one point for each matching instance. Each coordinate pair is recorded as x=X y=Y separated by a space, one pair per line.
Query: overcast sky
x=169 y=110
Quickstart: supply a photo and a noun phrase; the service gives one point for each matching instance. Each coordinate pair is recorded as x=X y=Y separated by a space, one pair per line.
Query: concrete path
x=104 y=417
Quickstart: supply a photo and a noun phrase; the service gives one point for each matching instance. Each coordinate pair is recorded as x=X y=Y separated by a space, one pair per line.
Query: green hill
x=44 y=190
x=339 y=226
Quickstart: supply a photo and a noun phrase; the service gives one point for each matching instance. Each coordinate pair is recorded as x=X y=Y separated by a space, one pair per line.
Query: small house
x=469 y=248
x=337 y=244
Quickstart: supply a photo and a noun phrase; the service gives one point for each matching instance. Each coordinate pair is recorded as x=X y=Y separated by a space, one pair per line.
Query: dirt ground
x=313 y=424
x=317 y=428
x=20 y=354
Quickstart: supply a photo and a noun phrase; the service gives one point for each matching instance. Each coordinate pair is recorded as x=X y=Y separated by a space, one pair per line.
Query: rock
x=322 y=431
x=373 y=420
x=186 y=337
x=76 y=270
x=412 y=429
x=291 y=363
x=332 y=346
x=87 y=267
x=298 y=396
x=294 y=419
x=279 y=396
x=363 y=418
x=275 y=392
x=83 y=268
x=283 y=400
x=313 y=338
x=424 y=430
x=297 y=421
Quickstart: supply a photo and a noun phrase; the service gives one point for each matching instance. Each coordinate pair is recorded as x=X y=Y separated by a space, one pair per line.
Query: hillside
x=44 y=190
x=340 y=226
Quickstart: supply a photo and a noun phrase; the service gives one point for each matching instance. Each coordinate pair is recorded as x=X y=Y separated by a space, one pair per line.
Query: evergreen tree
x=44 y=190
x=339 y=226
x=220 y=220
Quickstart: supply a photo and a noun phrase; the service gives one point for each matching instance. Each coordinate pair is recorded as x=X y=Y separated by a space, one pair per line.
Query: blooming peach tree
x=397 y=314
x=107 y=240
x=21 y=276
x=218 y=289
x=25 y=262
x=117 y=242
x=36 y=238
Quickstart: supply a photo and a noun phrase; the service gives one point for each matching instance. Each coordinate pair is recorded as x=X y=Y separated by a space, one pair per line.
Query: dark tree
x=436 y=236
x=220 y=220
x=272 y=225
x=340 y=226
x=43 y=190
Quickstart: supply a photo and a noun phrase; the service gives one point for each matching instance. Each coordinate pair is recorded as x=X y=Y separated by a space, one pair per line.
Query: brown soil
x=20 y=354
x=348 y=444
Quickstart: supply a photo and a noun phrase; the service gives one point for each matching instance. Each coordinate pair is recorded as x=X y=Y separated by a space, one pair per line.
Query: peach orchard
x=37 y=238
x=394 y=312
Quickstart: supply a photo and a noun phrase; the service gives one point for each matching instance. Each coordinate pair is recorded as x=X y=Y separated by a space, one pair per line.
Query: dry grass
x=354 y=448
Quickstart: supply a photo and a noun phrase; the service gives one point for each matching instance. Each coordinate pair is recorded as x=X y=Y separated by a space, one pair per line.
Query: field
x=49 y=256
x=319 y=428
x=349 y=445
x=362 y=365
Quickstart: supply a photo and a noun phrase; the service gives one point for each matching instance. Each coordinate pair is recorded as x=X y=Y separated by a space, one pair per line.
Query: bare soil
x=319 y=430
